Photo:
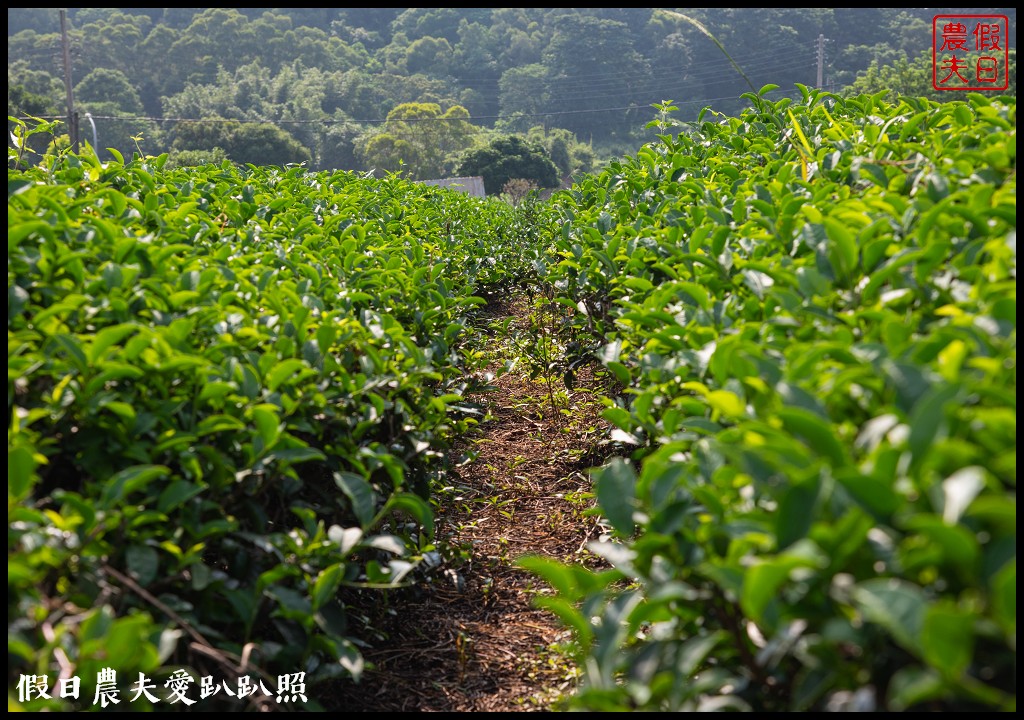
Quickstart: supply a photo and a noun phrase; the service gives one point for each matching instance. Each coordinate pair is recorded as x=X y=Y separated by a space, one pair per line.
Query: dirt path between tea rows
x=471 y=640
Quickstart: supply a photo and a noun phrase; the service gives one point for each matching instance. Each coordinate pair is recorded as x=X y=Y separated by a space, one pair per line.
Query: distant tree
x=507 y=158
x=178 y=18
x=337 y=146
x=393 y=56
x=217 y=38
x=255 y=143
x=524 y=91
x=913 y=77
x=312 y=47
x=570 y=156
x=38 y=91
x=372 y=20
x=155 y=76
x=474 y=53
x=419 y=139
x=519 y=35
x=299 y=93
x=902 y=77
x=109 y=38
x=516 y=190
x=483 y=102
x=265 y=144
x=594 y=65
x=295 y=97
x=212 y=132
x=21 y=102
x=113 y=87
x=387 y=153
x=416 y=23
x=311 y=17
x=429 y=55
x=362 y=94
x=40 y=20
x=191 y=158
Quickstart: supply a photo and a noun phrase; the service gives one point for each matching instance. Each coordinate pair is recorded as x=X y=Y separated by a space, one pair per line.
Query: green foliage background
x=328 y=79
x=509 y=158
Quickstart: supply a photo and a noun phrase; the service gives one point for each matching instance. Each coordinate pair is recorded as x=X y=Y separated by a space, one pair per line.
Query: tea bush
x=230 y=390
x=811 y=312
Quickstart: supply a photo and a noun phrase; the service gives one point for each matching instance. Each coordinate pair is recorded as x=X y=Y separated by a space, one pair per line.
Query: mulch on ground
x=471 y=640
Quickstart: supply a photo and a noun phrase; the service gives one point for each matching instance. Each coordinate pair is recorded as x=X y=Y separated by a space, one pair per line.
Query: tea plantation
x=234 y=394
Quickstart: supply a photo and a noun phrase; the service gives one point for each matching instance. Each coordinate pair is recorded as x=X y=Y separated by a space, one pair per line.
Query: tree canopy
x=507 y=158
x=595 y=73
x=254 y=143
x=419 y=139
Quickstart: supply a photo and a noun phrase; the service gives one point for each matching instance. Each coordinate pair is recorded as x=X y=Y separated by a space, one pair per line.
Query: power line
x=328 y=121
x=662 y=83
x=600 y=87
x=677 y=85
x=663 y=91
x=745 y=62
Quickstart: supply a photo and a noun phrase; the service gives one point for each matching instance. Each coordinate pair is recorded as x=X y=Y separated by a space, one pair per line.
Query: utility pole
x=821 y=58
x=72 y=115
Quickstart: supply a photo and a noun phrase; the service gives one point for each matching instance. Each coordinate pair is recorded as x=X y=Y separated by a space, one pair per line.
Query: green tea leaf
x=1004 y=597
x=176 y=494
x=359 y=493
x=796 y=511
x=817 y=432
x=843 y=247
x=555 y=574
x=21 y=468
x=876 y=495
x=107 y=337
x=912 y=686
x=283 y=371
x=129 y=480
x=326 y=585
x=143 y=563
x=416 y=507
x=615 y=484
x=726 y=403
x=948 y=639
x=268 y=425
x=896 y=605
x=928 y=417
x=765 y=576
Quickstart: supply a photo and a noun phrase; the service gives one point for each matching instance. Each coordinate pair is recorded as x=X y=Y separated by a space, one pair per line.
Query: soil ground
x=471 y=640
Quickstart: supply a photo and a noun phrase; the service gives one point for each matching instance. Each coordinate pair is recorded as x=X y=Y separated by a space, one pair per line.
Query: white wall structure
x=470 y=185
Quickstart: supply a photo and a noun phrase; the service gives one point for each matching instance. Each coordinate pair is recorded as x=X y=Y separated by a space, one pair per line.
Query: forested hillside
x=416 y=88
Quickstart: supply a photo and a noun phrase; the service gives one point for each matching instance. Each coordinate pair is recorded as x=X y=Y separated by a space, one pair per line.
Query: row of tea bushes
x=230 y=390
x=810 y=310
